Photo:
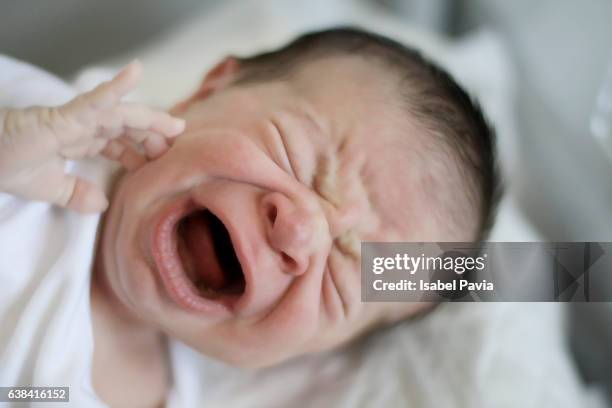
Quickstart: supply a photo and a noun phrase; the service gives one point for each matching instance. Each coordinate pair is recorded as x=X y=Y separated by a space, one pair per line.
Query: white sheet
x=461 y=355
x=45 y=254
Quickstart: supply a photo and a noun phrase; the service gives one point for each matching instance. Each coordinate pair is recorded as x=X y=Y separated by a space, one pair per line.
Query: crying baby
x=241 y=237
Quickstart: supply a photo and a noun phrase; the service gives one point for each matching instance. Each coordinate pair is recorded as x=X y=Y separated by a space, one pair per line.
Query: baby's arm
x=36 y=142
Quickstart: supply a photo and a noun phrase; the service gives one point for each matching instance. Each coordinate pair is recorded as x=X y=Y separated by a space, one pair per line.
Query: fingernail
x=136 y=62
x=133 y=65
x=179 y=126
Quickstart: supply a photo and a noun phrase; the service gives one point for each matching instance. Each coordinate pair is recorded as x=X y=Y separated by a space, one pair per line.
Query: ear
x=215 y=80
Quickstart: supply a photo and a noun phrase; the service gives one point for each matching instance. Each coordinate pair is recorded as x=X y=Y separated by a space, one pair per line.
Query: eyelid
x=325 y=181
x=285 y=147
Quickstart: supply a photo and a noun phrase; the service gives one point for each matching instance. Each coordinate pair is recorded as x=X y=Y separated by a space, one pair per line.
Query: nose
x=290 y=231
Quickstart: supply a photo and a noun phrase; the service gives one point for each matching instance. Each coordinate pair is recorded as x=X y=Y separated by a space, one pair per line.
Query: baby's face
x=243 y=239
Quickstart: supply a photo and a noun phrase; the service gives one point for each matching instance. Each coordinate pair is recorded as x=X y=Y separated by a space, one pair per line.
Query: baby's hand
x=35 y=142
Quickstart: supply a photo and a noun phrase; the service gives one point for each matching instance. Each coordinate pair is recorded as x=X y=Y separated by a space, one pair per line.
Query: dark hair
x=432 y=95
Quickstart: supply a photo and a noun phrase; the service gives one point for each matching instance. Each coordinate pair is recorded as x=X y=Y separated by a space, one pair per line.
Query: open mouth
x=208 y=256
x=196 y=259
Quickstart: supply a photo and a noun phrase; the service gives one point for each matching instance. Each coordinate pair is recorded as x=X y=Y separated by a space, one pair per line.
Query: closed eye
x=285 y=148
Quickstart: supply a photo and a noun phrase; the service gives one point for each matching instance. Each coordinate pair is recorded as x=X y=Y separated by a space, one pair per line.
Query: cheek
x=139 y=291
x=128 y=274
x=144 y=189
x=290 y=328
x=129 y=267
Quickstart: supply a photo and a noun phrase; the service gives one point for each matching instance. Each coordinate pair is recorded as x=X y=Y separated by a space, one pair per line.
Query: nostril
x=288 y=261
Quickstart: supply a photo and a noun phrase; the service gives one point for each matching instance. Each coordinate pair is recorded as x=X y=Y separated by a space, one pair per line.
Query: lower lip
x=164 y=248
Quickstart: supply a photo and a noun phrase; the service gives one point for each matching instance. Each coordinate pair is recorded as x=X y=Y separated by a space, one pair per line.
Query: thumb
x=81 y=196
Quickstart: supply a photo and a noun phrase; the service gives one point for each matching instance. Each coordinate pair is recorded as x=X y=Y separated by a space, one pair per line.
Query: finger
x=105 y=95
x=121 y=151
x=84 y=148
x=81 y=196
x=110 y=133
x=154 y=146
x=109 y=93
x=137 y=116
x=96 y=146
x=75 y=151
x=153 y=143
x=138 y=136
x=171 y=141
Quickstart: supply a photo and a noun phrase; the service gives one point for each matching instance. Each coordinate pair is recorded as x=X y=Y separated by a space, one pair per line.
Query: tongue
x=199 y=253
